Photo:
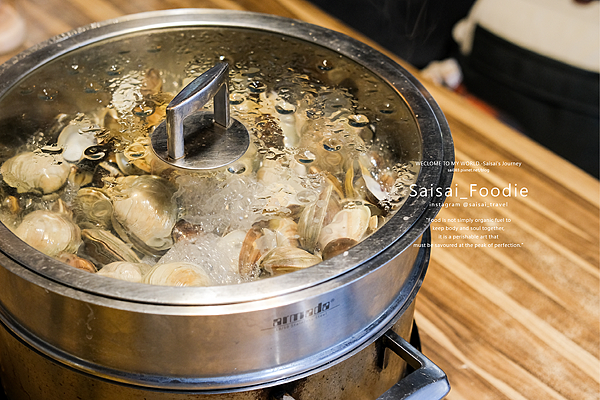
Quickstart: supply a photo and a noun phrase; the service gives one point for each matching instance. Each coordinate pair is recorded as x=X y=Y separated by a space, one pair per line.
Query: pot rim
x=406 y=226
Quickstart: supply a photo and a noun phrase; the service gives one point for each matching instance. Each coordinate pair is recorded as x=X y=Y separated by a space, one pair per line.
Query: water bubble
x=358 y=120
x=48 y=94
x=251 y=71
x=305 y=157
x=337 y=102
x=333 y=158
x=306 y=196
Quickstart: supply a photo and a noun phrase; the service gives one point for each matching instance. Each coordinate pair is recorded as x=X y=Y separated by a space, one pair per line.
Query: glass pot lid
x=337 y=136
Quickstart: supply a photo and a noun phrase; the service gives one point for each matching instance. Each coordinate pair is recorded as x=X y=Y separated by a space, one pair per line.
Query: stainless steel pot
x=186 y=342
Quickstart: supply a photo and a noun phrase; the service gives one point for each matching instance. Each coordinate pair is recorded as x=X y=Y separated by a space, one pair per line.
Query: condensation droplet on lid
x=305 y=157
x=154 y=49
x=236 y=168
x=92 y=87
x=358 y=120
x=314 y=114
x=101 y=134
x=48 y=94
x=236 y=98
x=257 y=86
x=387 y=108
x=135 y=151
x=283 y=107
x=325 y=65
x=332 y=144
x=94 y=153
x=52 y=149
x=74 y=69
x=143 y=110
x=114 y=70
x=26 y=89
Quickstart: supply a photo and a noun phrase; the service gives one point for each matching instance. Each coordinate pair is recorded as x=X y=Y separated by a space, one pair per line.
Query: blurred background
x=532 y=63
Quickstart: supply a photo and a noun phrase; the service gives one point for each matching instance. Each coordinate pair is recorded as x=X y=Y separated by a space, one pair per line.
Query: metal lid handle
x=194 y=139
x=211 y=84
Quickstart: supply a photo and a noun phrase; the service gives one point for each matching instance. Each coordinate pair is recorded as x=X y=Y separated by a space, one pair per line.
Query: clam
x=177 y=274
x=257 y=242
x=126 y=271
x=36 y=172
x=285 y=259
x=185 y=230
x=106 y=169
x=77 y=136
x=77 y=262
x=337 y=246
x=59 y=206
x=10 y=204
x=286 y=231
x=270 y=172
x=9 y=210
x=80 y=176
x=144 y=211
x=105 y=248
x=359 y=184
x=50 y=232
x=93 y=208
x=125 y=165
x=230 y=247
x=136 y=157
x=350 y=223
x=312 y=219
x=215 y=255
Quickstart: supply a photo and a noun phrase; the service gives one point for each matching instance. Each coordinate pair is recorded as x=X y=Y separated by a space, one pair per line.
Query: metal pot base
x=27 y=374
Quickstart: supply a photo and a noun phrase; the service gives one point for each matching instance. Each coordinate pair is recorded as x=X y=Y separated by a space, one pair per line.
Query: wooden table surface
x=509 y=313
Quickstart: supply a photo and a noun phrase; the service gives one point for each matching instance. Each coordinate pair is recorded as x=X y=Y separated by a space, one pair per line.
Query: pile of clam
x=93 y=195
